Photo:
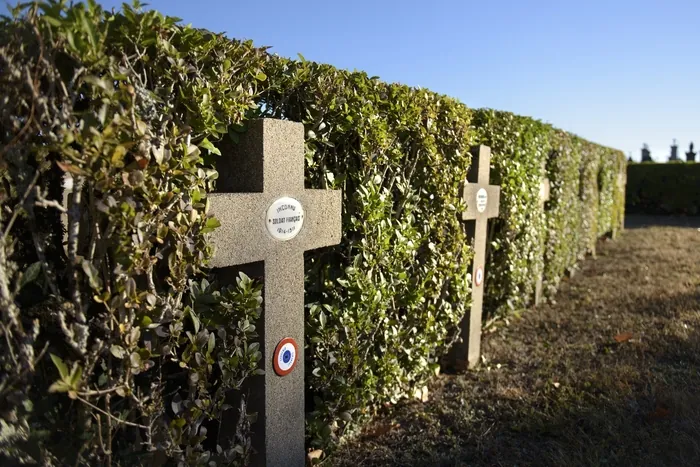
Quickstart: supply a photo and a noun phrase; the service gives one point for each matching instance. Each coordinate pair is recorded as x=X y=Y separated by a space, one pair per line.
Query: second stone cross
x=482 y=204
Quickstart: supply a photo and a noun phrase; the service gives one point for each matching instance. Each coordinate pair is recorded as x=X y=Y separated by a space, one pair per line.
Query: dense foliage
x=519 y=148
x=143 y=349
x=114 y=334
x=670 y=188
x=384 y=305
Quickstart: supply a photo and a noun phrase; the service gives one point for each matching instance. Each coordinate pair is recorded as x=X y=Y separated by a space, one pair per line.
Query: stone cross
x=544 y=197
x=622 y=187
x=268 y=216
x=482 y=204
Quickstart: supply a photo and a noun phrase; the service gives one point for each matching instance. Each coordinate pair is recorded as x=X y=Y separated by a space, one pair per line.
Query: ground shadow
x=633 y=404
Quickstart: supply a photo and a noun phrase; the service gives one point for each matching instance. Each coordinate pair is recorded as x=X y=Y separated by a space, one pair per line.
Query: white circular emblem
x=285 y=356
x=479 y=276
x=285 y=217
x=481 y=199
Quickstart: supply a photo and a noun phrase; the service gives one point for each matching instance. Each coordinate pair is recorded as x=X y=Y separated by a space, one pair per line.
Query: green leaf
x=75 y=375
x=322 y=319
x=195 y=321
x=30 y=274
x=60 y=386
x=206 y=144
x=62 y=368
x=326 y=431
x=93 y=275
x=118 y=351
x=118 y=155
x=52 y=21
x=211 y=224
x=211 y=343
x=135 y=360
x=261 y=76
x=90 y=28
x=102 y=380
x=179 y=422
x=100 y=83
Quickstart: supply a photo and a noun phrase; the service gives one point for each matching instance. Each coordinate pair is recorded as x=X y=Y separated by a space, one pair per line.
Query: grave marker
x=544 y=197
x=622 y=187
x=482 y=204
x=267 y=215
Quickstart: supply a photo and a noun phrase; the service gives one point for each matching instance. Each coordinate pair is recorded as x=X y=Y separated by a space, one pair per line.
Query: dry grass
x=557 y=388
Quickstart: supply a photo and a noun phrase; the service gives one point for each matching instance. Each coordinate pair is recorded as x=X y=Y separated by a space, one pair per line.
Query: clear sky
x=617 y=72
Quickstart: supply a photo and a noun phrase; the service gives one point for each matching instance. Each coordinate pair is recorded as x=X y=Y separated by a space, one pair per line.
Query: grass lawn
x=608 y=374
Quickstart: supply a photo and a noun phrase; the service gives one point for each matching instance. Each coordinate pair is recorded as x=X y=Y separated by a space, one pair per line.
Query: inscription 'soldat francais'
x=285 y=218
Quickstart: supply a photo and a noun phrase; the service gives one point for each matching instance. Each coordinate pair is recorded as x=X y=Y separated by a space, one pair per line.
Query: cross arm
x=323 y=224
x=493 y=193
x=242 y=237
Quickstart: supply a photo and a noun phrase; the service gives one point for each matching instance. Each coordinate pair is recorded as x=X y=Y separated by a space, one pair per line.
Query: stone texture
x=466 y=353
x=269 y=162
x=622 y=186
x=544 y=197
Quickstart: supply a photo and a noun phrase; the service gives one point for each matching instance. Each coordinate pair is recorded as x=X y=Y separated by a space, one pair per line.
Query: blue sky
x=617 y=72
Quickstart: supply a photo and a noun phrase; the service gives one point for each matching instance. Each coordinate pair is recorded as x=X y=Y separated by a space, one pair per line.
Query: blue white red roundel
x=479 y=276
x=285 y=358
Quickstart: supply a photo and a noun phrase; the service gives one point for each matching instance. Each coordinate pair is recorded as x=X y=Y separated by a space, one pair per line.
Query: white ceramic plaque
x=481 y=199
x=285 y=218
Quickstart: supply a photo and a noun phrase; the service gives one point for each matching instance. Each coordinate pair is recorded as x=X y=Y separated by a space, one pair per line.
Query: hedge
x=671 y=188
x=126 y=341
x=115 y=347
x=385 y=304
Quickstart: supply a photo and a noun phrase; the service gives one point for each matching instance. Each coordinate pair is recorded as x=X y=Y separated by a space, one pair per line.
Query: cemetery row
x=413 y=210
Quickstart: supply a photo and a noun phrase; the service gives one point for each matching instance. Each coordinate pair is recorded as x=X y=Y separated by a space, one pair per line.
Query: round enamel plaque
x=479 y=276
x=285 y=358
x=481 y=199
x=285 y=218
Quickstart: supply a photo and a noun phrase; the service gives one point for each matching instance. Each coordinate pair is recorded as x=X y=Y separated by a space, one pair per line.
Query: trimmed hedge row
x=153 y=99
x=670 y=188
x=384 y=305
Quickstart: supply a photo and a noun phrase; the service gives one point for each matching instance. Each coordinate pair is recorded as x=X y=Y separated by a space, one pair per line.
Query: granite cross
x=268 y=216
x=544 y=197
x=482 y=204
x=622 y=188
